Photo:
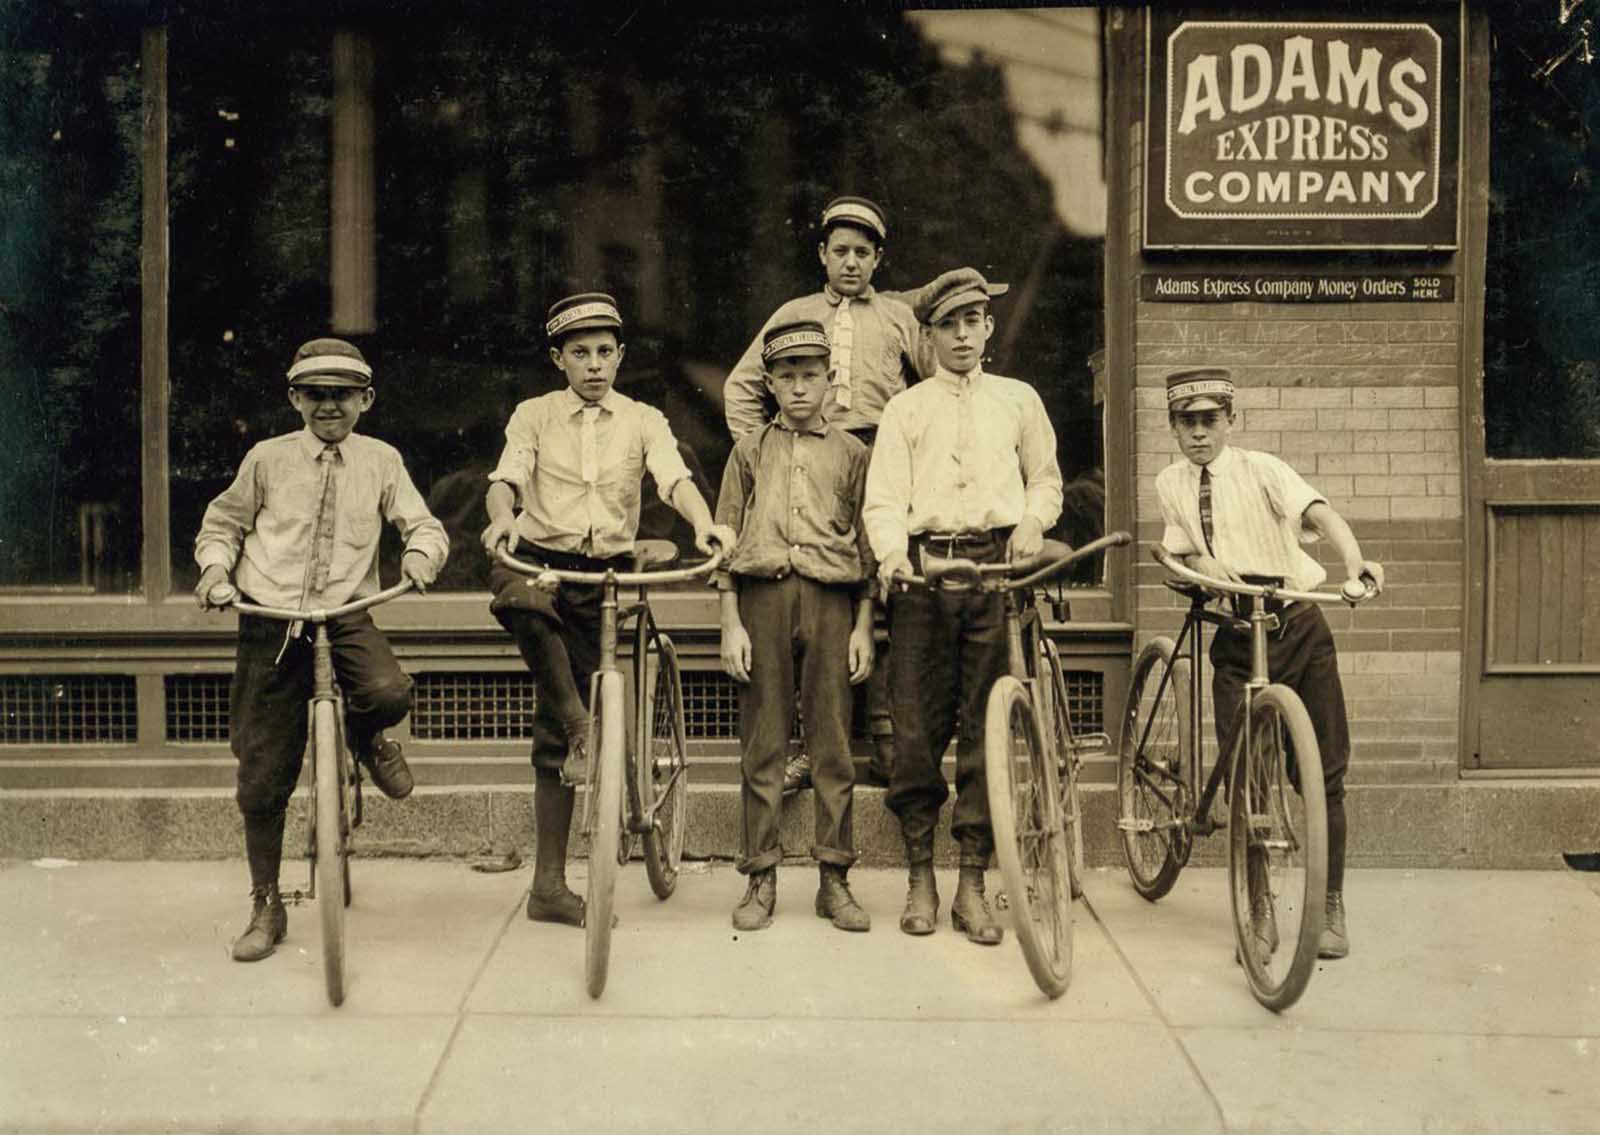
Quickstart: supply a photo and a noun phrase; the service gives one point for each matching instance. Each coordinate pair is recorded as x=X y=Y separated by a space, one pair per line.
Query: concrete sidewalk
x=1471 y=1003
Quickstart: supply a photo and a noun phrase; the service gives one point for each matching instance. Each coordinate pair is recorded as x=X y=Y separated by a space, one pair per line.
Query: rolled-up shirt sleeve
x=229 y=517
x=1288 y=493
x=520 y=454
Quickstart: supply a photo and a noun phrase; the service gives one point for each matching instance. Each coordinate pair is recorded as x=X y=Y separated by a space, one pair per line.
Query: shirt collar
x=834 y=297
x=820 y=430
x=957 y=381
x=1220 y=464
x=573 y=402
x=312 y=446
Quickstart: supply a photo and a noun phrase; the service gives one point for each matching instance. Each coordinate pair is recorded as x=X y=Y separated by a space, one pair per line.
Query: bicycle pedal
x=1127 y=825
x=1098 y=743
x=295 y=898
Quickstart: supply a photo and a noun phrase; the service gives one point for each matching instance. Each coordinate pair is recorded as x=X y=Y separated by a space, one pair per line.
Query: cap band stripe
x=581 y=311
x=1217 y=387
x=794 y=339
x=330 y=364
x=851 y=211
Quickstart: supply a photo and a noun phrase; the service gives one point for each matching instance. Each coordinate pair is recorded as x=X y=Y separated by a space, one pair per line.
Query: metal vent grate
x=485 y=706
x=65 y=709
x=710 y=705
x=197 y=707
x=1086 y=700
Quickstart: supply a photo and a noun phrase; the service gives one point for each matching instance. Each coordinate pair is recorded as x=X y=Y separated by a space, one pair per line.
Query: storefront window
x=1541 y=337
x=70 y=129
x=513 y=161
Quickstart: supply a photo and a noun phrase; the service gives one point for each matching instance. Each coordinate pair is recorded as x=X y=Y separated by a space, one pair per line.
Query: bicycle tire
x=1292 y=829
x=605 y=786
x=662 y=767
x=1025 y=811
x=327 y=760
x=1053 y=677
x=1155 y=745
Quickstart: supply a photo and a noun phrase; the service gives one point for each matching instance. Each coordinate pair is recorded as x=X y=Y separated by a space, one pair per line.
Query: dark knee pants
x=576 y=612
x=945 y=651
x=1300 y=655
x=798 y=629
x=268 y=699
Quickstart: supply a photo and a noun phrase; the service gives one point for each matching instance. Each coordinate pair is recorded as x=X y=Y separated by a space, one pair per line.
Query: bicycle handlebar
x=1263 y=590
x=621 y=578
x=227 y=595
x=1021 y=575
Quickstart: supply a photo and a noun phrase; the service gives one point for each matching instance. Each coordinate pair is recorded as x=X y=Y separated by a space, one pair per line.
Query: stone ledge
x=1477 y=824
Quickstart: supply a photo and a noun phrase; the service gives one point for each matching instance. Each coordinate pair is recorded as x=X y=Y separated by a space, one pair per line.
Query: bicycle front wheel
x=1053 y=678
x=1152 y=758
x=661 y=772
x=327 y=760
x=1278 y=848
x=605 y=789
x=1025 y=810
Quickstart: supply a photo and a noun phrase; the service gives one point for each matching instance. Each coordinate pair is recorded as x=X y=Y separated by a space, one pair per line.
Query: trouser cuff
x=833 y=855
x=765 y=860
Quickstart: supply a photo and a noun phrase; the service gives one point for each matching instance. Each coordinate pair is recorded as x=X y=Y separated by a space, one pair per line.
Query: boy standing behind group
x=792 y=490
x=875 y=348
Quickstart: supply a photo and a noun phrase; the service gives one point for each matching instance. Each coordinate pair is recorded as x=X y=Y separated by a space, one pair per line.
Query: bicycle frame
x=1201 y=590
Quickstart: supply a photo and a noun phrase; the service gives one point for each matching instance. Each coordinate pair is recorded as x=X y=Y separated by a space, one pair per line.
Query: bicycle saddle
x=651 y=554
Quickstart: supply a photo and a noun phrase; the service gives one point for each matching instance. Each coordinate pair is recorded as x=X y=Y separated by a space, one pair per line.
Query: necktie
x=589 y=442
x=322 y=540
x=1205 y=508
x=843 y=343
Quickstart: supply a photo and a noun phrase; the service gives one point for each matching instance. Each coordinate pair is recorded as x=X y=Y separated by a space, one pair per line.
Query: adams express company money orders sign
x=1303 y=132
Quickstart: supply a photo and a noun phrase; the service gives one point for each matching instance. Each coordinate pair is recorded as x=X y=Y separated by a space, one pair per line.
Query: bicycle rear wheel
x=1285 y=834
x=662 y=769
x=1052 y=682
x=1025 y=810
x=1152 y=756
x=605 y=789
x=327 y=759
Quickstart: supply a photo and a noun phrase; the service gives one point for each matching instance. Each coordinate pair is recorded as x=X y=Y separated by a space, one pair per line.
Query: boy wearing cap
x=965 y=466
x=1242 y=515
x=792 y=490
x=299 y=528
x=876 y=347
x=567 y=485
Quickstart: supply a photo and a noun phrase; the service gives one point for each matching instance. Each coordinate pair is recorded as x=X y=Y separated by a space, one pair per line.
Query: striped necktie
x=1205 y=508
x=322 y=540
x=843 y=344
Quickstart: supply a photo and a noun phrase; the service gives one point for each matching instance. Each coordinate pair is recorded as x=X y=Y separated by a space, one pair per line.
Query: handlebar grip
x=951 y=573
x=222 y=594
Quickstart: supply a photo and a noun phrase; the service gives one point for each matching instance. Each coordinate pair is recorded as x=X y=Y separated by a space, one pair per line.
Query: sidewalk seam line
x=1172 y=1031
x=461 y=1018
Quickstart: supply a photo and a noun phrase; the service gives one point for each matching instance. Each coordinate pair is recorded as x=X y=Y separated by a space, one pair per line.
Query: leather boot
x=1335 y=939
x=834 y=900
x=922 y=900
x=970 y=914
x=269 y=922
x=754 y=911
x=549 y=899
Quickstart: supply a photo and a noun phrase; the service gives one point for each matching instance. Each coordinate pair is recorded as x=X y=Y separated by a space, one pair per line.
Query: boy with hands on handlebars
x=567 y=484
x=298 y=528
x=1241 y=515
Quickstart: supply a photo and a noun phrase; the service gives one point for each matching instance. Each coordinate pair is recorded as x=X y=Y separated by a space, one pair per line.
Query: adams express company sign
x=1302 y=133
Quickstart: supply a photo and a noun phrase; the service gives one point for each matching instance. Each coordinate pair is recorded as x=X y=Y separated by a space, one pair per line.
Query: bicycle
x=655 y=766
x=1276 y=805
x=1031 y=757
x=334 y=786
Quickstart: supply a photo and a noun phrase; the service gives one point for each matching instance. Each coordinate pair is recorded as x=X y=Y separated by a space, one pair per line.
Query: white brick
x=1354 y=419
x=1386 y=441
x=1383 y=397
x=1444 y=485
x=1256 y=397
x=1334 y=485
x=1314 y=398
x=1422 y=419
x=1441 y=396
x=1417 y=508
x=1279 y=420
x=1423 y=463
x=1366 y=463
x=1441 y=441
x=1315 y=441
x=1364 y=508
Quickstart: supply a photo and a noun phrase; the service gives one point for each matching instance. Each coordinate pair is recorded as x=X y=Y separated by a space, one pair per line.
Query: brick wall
x=1364 y=401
